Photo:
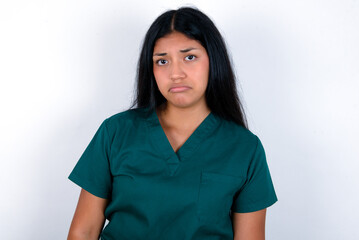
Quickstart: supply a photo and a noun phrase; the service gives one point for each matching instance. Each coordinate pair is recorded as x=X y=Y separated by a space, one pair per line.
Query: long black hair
x=221 y=93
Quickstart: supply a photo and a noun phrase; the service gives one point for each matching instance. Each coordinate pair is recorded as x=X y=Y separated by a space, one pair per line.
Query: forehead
x=175 y=40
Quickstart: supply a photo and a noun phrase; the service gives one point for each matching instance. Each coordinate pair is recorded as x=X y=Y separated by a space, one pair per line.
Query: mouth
x=179 y=89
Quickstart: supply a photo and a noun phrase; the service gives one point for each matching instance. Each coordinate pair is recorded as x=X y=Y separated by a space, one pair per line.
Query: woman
x=182 y=164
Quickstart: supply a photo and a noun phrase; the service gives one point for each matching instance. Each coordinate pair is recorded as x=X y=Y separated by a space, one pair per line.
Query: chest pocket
x=215 y=197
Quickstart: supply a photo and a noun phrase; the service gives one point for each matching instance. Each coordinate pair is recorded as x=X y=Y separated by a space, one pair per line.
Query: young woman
x=181 y=164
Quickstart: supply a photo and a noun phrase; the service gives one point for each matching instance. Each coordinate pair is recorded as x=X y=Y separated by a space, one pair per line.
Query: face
x=181 y=68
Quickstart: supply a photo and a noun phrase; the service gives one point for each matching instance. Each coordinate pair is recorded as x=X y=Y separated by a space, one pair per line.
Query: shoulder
x=238 y=133
x=239 y=139
x=126 y=121
x=127 y=116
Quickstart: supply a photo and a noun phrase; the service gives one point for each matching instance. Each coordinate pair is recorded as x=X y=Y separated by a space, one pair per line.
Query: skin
x=178 y=61
x=89 y=218
x=249 y=226
x=184 y=111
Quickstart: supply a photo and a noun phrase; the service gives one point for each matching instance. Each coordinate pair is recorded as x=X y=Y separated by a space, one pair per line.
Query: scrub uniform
x=157 y=193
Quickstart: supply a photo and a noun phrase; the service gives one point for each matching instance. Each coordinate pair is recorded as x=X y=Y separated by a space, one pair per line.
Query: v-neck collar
x=206 y=127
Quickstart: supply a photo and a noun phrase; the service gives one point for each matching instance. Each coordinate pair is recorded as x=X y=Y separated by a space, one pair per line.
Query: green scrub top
x=157 y=193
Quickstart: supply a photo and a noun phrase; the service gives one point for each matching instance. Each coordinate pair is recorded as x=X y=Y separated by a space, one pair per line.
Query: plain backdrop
x=65 y=66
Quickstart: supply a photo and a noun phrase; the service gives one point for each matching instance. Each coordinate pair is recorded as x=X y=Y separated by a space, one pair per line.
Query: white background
x=65 y=66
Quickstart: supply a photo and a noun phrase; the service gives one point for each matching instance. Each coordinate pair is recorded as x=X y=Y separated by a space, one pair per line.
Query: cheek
x=159 y=77
x=159 y=72
x=202 y=74
x=155 y=72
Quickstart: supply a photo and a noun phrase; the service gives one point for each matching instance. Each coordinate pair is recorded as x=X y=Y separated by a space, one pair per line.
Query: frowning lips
x=179 y=88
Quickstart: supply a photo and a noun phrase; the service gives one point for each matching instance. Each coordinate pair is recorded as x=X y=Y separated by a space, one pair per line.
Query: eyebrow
x=183 y=50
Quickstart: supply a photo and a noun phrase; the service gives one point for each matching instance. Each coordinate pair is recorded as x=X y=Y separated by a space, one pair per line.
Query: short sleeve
x=258 y=191
x=92 y=171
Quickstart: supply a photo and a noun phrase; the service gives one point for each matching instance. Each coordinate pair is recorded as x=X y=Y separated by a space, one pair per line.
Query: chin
x=183 y=101
x=183 y=104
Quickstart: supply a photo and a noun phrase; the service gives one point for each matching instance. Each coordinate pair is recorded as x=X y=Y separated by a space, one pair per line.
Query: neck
x=182 y=118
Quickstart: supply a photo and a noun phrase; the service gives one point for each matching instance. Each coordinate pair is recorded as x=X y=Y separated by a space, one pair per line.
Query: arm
x=89 y=217
x=249 y=226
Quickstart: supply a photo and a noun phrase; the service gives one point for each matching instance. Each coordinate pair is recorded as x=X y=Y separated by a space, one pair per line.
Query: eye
x=190 y=57
x=161 y=62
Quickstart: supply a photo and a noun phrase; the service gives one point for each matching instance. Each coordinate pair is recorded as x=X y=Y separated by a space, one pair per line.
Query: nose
x=177 y=71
